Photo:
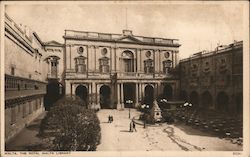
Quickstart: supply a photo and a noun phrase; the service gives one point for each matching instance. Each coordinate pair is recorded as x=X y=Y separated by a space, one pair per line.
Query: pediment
x=128 y=39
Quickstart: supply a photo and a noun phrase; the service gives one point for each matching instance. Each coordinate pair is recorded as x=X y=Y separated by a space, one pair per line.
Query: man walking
x=134 y=127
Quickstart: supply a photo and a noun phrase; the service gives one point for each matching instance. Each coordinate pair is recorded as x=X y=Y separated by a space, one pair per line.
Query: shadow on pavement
x=124 y=131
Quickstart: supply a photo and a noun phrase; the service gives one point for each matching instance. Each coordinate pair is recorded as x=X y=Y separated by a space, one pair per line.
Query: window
x=104 y=65
x=167 y=64
x=12 y=71
x=80 y=65
x=149 y=66
x=128 y=61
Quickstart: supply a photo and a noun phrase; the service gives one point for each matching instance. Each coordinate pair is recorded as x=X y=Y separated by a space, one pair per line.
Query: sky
x=198 y=26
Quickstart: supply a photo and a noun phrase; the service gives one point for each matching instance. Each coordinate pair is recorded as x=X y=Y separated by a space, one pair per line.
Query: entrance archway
x=222 y=101
x=54 y=91
x=149 y=95
x=105 y=93
x=168 y=92
x=183 y=95
x=82 y=92
x=194 y=99
x=206 y=99
x=239 y=102
x=129 y=94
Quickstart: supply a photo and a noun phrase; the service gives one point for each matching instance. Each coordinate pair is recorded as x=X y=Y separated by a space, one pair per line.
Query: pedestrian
x=134 y=127
x=131 y=126
x=109 y=118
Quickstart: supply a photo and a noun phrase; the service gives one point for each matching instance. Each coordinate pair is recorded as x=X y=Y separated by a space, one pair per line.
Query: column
x=94 y=95
x=136 y=95
x=159 y=88
x=138 y=60
x=122 y=96
x=140 y=96
x=160 y=63
x=118 y=97
x=90 y=94
x=95 y=61
x=98 y=96
x=67 y=88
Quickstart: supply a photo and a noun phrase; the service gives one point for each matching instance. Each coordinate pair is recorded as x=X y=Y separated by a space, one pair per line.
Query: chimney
x=127 y=32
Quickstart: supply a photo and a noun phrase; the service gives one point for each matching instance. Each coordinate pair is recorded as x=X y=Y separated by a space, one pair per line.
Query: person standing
x=134 y=127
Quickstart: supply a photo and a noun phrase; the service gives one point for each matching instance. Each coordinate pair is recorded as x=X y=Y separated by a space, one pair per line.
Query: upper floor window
x=128 y=61
x=149 y=66
x=104 y=65
x=80 y=64
x=12 y=71
x=167 y=64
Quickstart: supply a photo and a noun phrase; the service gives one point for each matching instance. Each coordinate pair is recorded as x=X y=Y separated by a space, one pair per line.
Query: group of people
x=110 y=119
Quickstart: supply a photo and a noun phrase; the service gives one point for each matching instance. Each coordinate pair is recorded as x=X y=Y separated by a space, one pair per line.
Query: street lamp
x=129 y=102
x=146 y=109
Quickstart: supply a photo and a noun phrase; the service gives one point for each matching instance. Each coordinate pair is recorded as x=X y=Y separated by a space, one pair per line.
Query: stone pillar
x=90 y=94
x=67 y=88
x=98 y=96
x=138 y=60
x=159 y=88
x=118 y=97
x=136 y=95
x=139 y=94
x=122 y=96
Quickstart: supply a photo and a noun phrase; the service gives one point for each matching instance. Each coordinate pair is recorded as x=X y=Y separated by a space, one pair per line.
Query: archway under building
x=129 y=94
x=183 y=96
x=168 y=92
x=105 y=100
x=239 y=103
x=54 y=91
x=222 y=101
x=194 y=99
x=206 y=100
x=82 y=92
x=149 y=95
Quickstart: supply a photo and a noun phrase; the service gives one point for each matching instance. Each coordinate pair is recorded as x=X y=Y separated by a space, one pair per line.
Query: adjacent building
x=28 y=70
x=119 y=70
x=214 y=80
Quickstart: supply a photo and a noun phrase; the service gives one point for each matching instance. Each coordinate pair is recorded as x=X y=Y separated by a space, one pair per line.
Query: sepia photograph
x=125 y=76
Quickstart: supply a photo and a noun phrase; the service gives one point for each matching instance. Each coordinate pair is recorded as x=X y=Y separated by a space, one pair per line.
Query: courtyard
x=174 y=137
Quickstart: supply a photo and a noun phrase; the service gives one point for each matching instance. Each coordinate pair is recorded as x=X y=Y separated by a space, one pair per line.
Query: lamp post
x=129 y=102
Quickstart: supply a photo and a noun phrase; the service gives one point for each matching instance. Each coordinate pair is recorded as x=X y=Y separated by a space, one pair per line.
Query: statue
x=155 y=112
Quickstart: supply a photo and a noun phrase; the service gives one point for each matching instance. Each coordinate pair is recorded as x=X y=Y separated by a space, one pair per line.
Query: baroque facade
x=214 y=80
x=119 y=70
x=27 y=72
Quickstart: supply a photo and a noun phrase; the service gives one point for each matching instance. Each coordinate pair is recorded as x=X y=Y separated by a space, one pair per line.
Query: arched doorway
x=168 y=92
x=239 y=103
x=194 y=99
x=54 y=91
x=149 y=95
x=82 y=92
x=105 y=93
x=129 y=94
x=222 y=102
x=206 y=99
x=183 y=95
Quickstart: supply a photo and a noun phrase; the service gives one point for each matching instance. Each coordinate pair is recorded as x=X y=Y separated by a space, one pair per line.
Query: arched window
x=128 y=61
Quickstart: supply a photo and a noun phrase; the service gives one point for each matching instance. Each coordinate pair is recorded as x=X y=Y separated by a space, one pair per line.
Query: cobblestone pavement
x=177 y=137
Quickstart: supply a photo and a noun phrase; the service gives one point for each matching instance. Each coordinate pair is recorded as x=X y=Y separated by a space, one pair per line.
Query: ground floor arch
x=105 y=97
x=206 y=100
x=129 y=94
x=54 y=91
x=222 y=102
x=168 y=92
x=149 y=95
x=82 y=92
x=194 y=99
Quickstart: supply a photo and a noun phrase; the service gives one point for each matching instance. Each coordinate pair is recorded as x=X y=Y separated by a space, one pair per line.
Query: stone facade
x=27 y=71
x=214 y=80
x=108 y=70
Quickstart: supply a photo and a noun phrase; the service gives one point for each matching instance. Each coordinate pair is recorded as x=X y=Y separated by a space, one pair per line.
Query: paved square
x=176 y=137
